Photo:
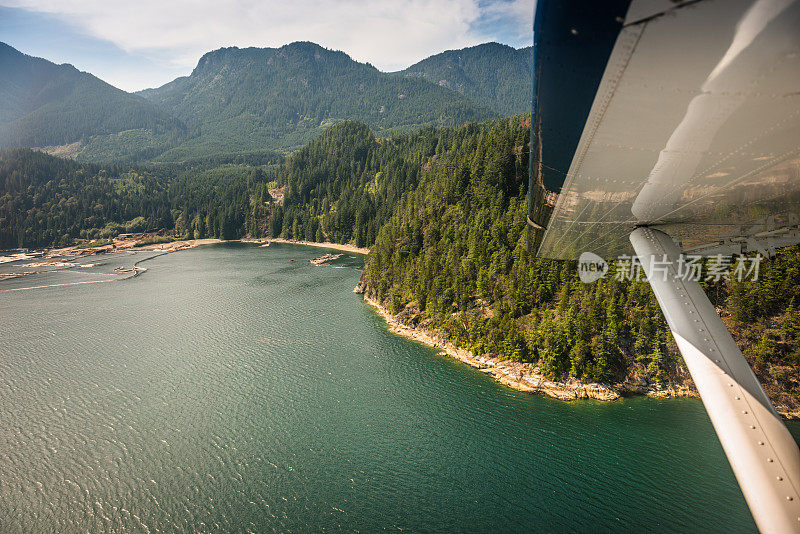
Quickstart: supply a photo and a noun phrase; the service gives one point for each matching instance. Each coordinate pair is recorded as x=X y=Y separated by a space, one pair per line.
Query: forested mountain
x=342 y=187
x=44 y=104
x=454 y=255
x=345 y=184
x=246 y=99
x=491 y=74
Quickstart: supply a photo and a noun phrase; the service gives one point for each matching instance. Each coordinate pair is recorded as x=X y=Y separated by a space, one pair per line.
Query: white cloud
x=514 y=16
x=163 y=39
x=387 y=33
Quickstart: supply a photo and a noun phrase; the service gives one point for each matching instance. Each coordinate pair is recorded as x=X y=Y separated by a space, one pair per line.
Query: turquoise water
x=231 y=388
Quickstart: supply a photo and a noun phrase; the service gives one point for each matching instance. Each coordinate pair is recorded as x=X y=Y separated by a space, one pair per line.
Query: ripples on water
x=231 y=388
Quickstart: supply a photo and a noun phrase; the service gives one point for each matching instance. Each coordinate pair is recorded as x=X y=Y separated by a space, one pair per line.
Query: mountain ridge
x=283 y=97
x=242 y=100
x=467 y=71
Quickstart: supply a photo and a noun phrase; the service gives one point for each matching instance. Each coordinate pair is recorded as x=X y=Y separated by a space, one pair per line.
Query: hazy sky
x=135 y=44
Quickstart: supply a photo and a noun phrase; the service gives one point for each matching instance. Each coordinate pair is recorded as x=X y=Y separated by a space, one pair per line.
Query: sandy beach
x=335 y=246
x=181 y=245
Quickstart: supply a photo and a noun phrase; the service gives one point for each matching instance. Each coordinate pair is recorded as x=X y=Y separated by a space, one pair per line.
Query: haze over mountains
x=43 y=104
x=251 y=100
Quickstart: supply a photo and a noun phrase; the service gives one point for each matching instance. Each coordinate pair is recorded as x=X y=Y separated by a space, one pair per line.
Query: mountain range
x=250 y=100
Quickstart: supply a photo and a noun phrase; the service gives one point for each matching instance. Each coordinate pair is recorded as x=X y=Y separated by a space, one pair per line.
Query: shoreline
x=521 y=376
x=516 y=375
x=527 y=378
x=173 y=246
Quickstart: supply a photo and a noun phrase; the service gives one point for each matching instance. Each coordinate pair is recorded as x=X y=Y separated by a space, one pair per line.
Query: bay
x=240 y=388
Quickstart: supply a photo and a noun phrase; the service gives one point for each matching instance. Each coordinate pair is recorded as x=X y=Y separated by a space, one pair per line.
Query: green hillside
x=252 y=98
x=47 y=201
x=345 y=184
x=453 y=258
x=491 y=74
x=43 y=104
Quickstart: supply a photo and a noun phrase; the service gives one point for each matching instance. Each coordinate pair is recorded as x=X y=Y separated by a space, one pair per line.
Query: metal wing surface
x=679 y=116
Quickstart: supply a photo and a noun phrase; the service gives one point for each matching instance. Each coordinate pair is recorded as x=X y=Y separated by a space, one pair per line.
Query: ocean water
x=240 y=388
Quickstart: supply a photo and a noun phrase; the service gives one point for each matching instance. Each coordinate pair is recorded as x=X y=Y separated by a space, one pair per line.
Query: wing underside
x=694 y=128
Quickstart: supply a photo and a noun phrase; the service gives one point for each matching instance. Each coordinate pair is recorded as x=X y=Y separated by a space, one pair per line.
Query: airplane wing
x=669 y=126
x=692 y=126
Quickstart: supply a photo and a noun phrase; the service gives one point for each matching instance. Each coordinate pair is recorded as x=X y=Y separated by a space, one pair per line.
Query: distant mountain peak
x=492 y=74
x=45 y=104
x=9 y=51
x=252 y=98
x=234 y=55
x=306 y=45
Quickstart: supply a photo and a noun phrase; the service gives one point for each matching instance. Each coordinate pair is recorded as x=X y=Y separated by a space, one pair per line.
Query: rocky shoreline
x=526 y=376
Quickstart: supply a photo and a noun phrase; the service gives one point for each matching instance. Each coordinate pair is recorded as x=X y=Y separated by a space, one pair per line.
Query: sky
x=136 y=44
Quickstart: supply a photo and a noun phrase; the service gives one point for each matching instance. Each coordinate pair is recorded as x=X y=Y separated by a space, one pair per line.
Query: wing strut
x=761 y=451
